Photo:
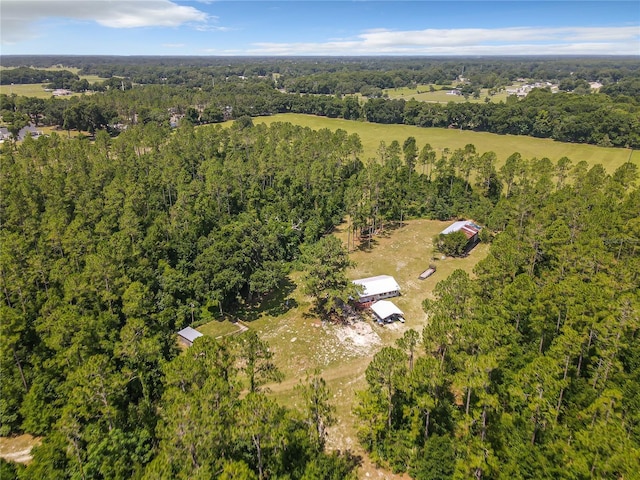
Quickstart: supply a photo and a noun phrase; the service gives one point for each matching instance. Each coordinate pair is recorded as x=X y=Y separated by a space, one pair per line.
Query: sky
x=286 y=28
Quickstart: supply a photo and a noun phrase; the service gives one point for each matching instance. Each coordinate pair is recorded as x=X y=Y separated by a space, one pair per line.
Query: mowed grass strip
x=219 y=328
x=503 y=145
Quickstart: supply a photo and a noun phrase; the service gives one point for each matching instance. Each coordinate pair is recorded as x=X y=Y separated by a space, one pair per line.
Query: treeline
x=530 y=370
x=596 y=119
x=341 y=74
x=605 y=120
x=25 y=75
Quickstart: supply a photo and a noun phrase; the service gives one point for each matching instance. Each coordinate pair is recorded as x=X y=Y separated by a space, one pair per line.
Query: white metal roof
x=466 y=226
x=189 y=333
x=384 y=309
x=377 y=285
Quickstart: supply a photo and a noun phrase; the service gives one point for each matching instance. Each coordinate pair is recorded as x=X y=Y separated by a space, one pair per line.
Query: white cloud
x=18 y=17
x=471 y=41
x=213 y=28
x=174 y=45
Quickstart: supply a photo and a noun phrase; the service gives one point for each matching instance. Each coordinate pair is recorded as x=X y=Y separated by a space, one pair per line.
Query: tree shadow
x=367 y=241
x=353 y=460
x=393 y=226
x=366 y=244
x=274 y=304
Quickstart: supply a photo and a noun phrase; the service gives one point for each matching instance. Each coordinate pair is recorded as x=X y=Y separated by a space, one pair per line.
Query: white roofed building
x=377 y=288
x=465 y=226
x=188 y=335
x=386 y=311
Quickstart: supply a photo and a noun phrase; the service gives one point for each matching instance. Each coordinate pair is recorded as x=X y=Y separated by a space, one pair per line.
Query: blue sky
x=205 y=27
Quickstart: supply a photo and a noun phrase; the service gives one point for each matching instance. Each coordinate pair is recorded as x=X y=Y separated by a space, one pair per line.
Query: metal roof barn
x=375 y=288
x=385 y=309
x=189 y=335
x=465 y=226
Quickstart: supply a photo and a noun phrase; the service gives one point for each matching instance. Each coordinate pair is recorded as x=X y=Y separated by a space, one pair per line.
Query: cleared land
x=301 y=342
x=422 y=93
x=26 y=90
x=37 y=89
x=503 y=145
x=217 y=329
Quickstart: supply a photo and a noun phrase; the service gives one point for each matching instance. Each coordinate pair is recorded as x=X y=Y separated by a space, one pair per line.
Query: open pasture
x=503 y=145
x=422 y=93
x=26 y=90
x=37 y=90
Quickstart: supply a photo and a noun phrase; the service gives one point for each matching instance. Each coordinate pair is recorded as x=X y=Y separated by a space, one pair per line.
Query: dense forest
x=110 y=243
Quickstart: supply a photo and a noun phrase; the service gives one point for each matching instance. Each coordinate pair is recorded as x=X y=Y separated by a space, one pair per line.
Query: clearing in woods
x=302 y=343
x=423 y=93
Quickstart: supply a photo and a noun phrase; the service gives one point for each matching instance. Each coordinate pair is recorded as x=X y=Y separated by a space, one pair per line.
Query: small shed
x=188 y=335
x=377 y=288
x=386 y=311
x=469 y=228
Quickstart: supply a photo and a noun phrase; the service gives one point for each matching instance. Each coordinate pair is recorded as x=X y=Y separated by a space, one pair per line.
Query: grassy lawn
x=27 y=90
x=405 y=253
x=36 y=90
x=302 y=343
x=217 y=328
x=503 y=145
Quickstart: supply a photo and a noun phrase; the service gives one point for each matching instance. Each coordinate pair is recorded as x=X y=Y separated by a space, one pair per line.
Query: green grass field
x=218 y=328
x=422 y=94
x=503 y=145
x=27 y=90
x=37 y=89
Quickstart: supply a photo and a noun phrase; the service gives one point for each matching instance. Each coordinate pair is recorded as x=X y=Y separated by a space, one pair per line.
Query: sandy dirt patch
x=357 y=338
x=18 y=449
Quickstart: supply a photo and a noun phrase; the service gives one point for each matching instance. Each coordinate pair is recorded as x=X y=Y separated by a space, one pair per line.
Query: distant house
x=22 y=134
x=469 y=228
x=386 y=311
x=377 y=288
x=29 y=129
x=188 y=335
